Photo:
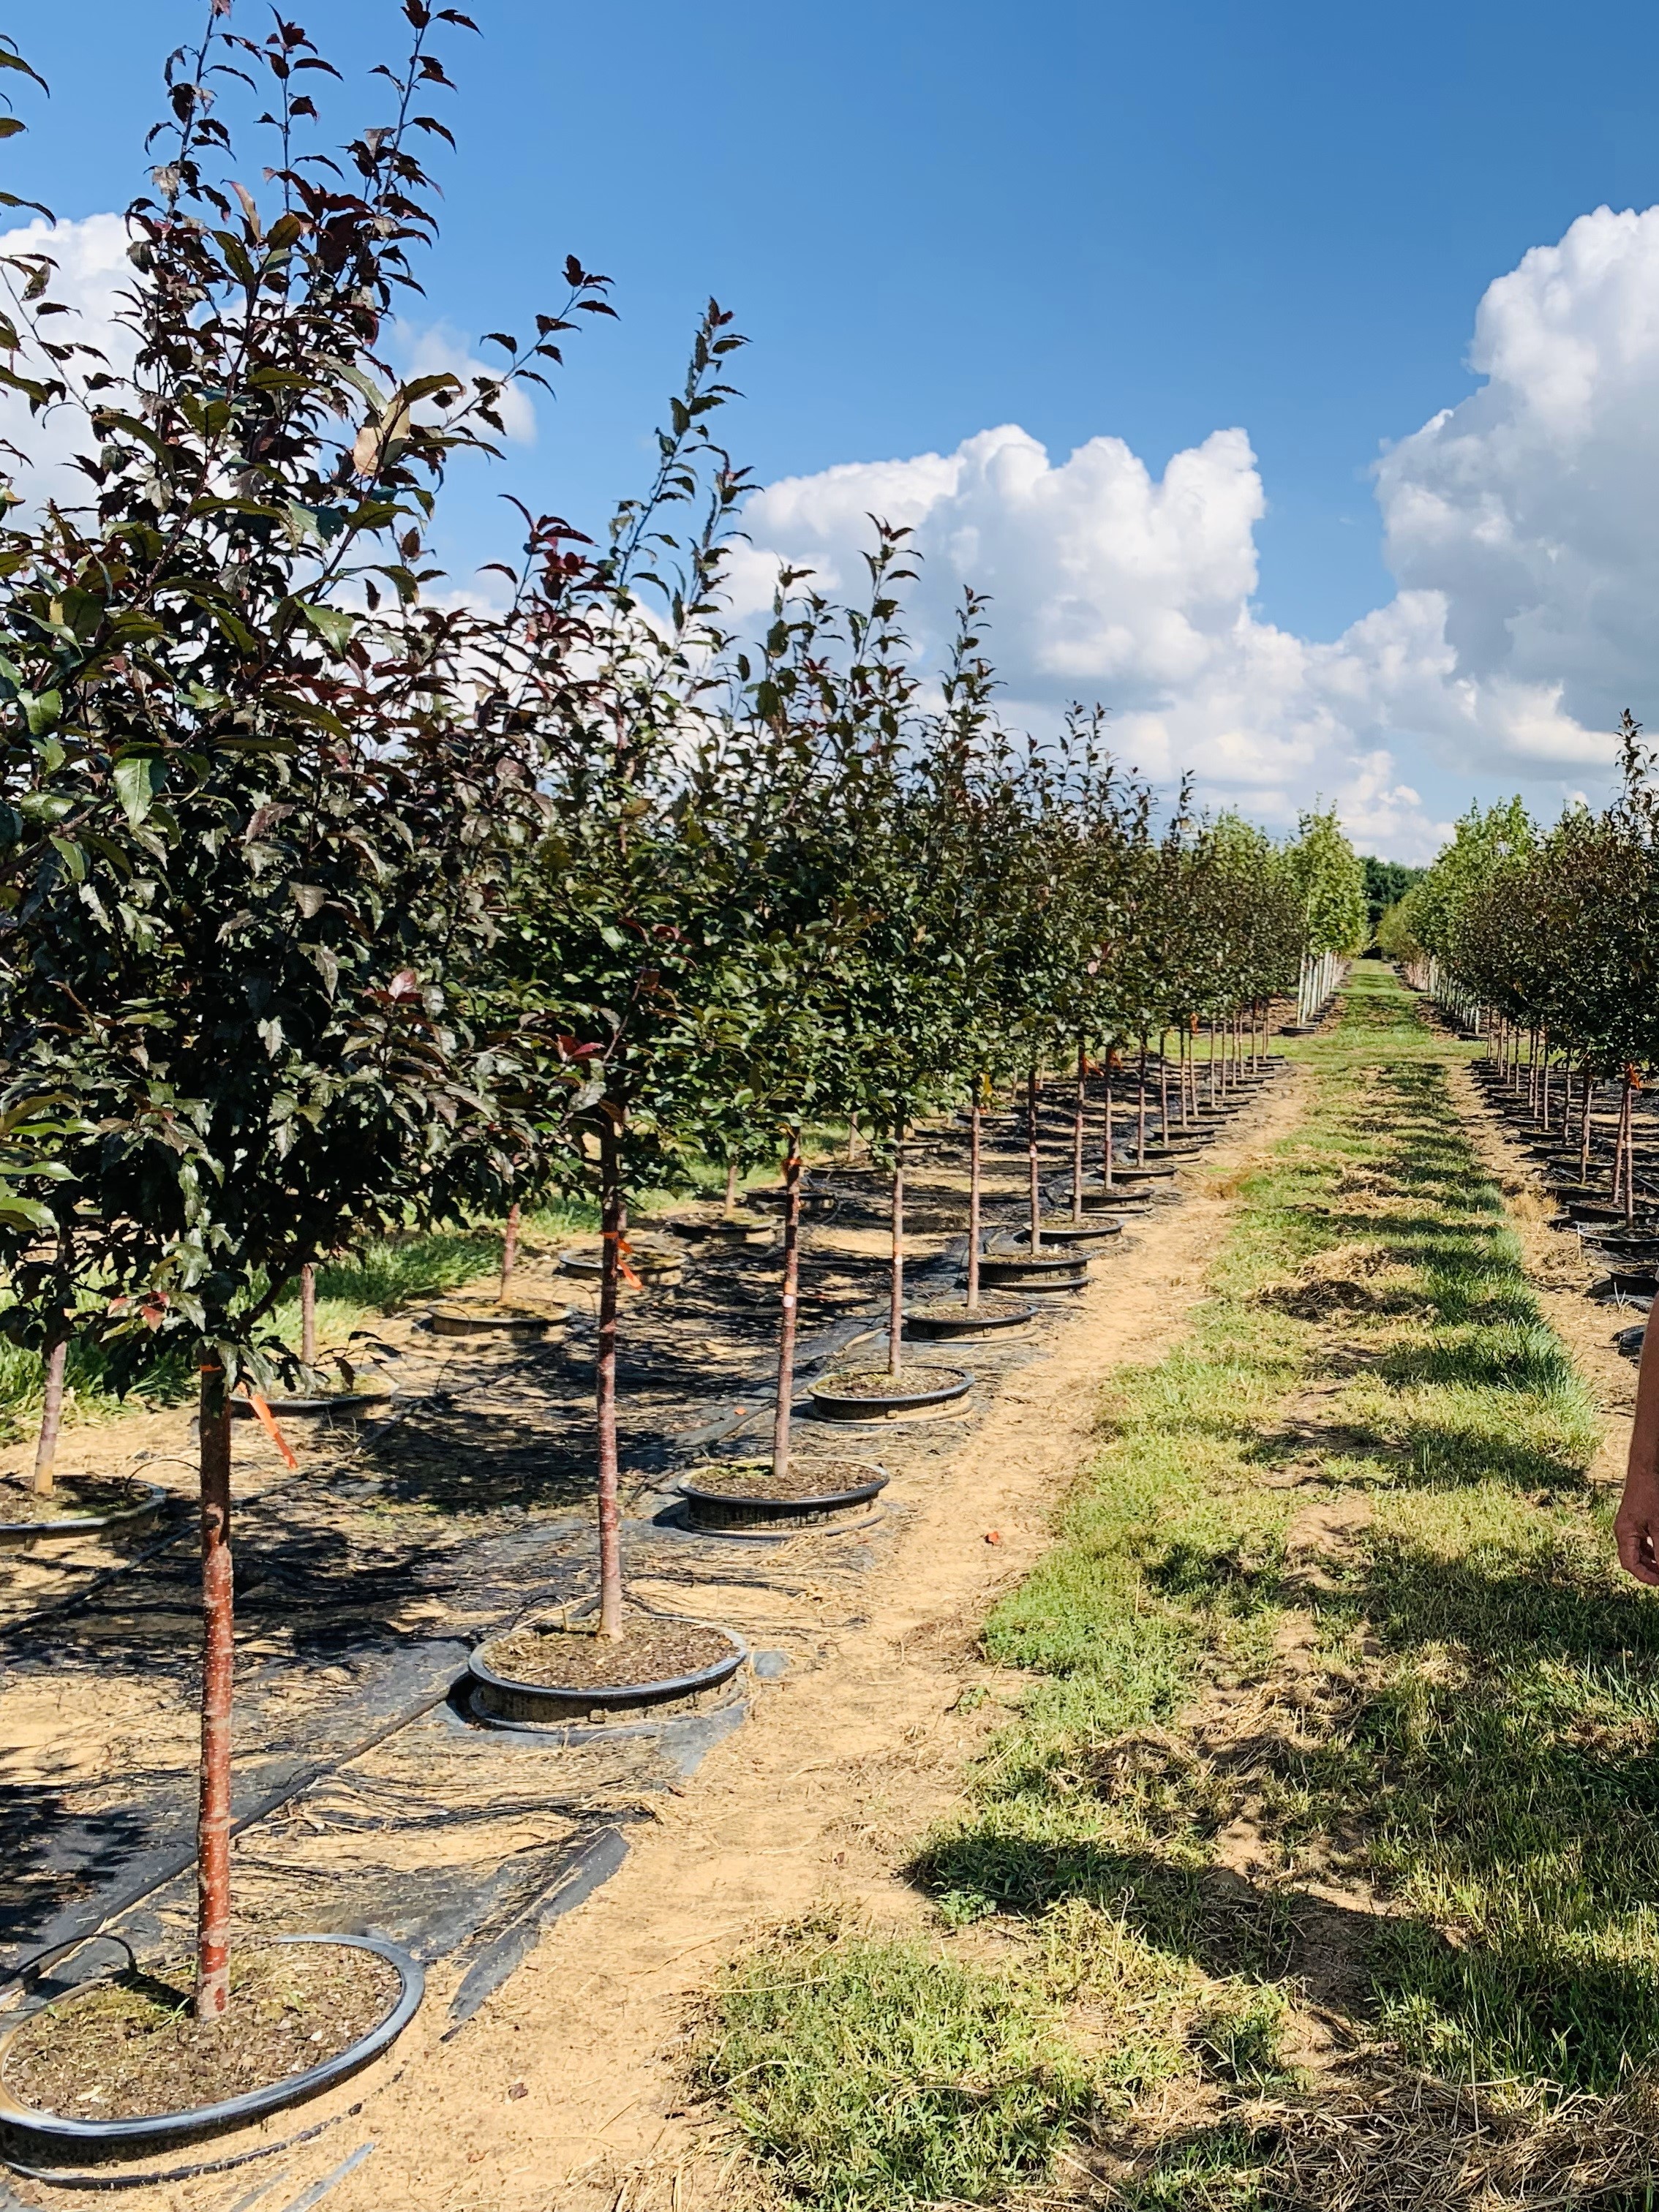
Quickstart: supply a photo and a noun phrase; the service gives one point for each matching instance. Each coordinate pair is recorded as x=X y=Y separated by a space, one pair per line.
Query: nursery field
x=1216 y=1772
x=761 y=1445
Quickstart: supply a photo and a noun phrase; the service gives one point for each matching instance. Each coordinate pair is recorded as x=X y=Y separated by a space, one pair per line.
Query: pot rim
x=855 y=1496
x=960 y=1382
x=79 y=1523
x=252 y=2104
x=623 y=1693
x=968 y=1324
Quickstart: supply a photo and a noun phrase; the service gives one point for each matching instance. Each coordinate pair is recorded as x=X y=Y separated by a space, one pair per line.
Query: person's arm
x=1636 y=1527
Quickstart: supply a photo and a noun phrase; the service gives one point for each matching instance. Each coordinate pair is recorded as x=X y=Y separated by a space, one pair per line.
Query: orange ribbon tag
x=268 y=1420
x=614 y=1236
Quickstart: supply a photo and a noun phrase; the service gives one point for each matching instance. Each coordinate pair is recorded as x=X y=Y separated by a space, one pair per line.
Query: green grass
x=1470 y=1731
x=869 y=2073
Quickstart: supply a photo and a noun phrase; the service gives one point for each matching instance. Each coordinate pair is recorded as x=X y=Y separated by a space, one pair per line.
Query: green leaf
x=43 y=710
x=73 y=860
x=333 y=625
x=138 y=778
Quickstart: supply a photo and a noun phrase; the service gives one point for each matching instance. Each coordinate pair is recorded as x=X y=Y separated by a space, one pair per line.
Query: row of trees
x=329 y=906
x=1549 y=939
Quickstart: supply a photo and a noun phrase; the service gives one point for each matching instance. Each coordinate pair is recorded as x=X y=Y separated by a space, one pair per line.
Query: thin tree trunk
x=218 y=1667
x=895 y=1296
x=1032 y=1160
x=1076 y=1132
x=1111 y=1136
x=51 y=1420
x=1585 y=1119
x=788 y=1307
x=1163 y=1087
x=1627 y=1147
x=613 y=1221
x=1141 y=1108
x=851 y=1139
x=975 y=1181
x=731 y=1188
x=57 y=1360
x=308 y=1311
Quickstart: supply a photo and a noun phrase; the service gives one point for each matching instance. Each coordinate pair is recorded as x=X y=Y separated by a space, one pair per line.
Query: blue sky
x=1147 y=224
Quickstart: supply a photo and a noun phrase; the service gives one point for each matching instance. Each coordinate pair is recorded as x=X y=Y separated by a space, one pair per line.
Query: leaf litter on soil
x=129 y=2049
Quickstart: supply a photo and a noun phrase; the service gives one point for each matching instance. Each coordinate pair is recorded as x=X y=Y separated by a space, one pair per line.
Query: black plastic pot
x=907 y=1401
x=1035 y=1272
x=1591 y=1211
x=479 y=1321
x=23 y=1536
x=1064 y=1231
x=348 y=1403
x=657 y=1269
x=1154 y=1173
x=1619 y=1245
x=987 y=1322
x=139 y=2136
x=1629 y=1341
x=1626 y=1283
x=719 y=1514
x=721 y=1228
x=499 y=1697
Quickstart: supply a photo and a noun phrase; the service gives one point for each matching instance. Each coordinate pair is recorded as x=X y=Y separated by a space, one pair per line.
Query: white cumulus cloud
x=1519 y=525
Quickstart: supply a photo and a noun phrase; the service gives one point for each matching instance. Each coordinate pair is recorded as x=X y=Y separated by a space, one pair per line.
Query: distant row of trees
x=328 y=907
x=1549 y=938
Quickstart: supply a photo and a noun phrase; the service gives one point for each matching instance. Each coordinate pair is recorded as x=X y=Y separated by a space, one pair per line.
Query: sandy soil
x=563 y=2092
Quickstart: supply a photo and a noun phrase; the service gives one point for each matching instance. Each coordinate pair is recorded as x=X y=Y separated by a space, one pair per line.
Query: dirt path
x=562 y=2094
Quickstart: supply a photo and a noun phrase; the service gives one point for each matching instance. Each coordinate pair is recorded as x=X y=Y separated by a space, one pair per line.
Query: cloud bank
x=1519 y=527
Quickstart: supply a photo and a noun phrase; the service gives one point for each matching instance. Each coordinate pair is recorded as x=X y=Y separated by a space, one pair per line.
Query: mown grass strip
x=1449 y=1717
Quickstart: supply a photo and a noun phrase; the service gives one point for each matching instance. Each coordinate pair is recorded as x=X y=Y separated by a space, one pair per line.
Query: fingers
x=1637 y=1552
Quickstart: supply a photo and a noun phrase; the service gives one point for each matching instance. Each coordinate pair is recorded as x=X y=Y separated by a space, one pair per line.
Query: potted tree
x=262 y=815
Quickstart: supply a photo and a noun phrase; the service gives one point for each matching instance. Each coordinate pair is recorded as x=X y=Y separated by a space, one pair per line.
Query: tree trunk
x=788 y=1308
x=1585 y=1119
x=851 y=1139
x=613 y=1216
x=52 y=1419
x=896 y=1293
x=1076 y=1132
x=218 y=1664
x=1032 y=1160
x=1627 y=1147
x=1111 y=1134
x=308 y=1313
x=731 y=1188
x=509 y=1248
x=57 y=1360
x=1141 y=1108
x=975 y=1182
x=1164 y=1087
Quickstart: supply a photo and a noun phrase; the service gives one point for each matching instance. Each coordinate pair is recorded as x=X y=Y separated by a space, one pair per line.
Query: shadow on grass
x=1208 y=1916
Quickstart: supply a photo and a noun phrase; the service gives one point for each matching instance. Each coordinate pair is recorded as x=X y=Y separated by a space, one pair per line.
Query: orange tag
x=268 y=1420
x=613 y=1236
